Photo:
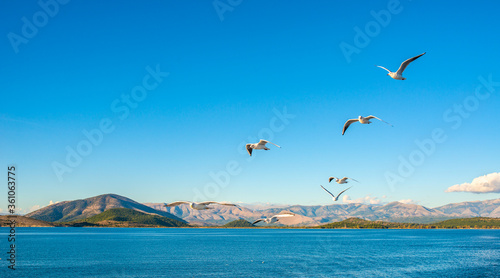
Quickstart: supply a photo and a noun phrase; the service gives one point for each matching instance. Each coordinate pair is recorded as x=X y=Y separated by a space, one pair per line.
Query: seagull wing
x=373 y=117
x=263 y=142
x=331 y=178
x=224 y=204
x=249 y=149
x=347 y=124
x=406 y=63
x=176 y=204
x=383 y=68
x=207 y=203
x=341 y=193
x=352 y=179
x=257 y=221
x=273 y=144
x=328 y=191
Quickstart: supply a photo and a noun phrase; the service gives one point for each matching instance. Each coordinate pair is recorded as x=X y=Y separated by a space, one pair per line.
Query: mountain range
x=317 y=215
x=305 y=215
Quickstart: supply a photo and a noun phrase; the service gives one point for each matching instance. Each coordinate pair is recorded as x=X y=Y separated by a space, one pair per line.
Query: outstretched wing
x=225 y=204
x=257 y=221
x=249 y=149
x=328 y=191
x=263 y=142
x=373 y=117
x=351 y=179
x=383 y=68
x=331 y=178
x=273 y=144
x=406 y=63
x=341 y=193
x=347 y=124
x=175 y=204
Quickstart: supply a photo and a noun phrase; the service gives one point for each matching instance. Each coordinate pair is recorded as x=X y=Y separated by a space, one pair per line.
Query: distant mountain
x=80 y=209
x=124 y=217
x=488 y=208
x=241 y=223
x=317 y=215
x=220 y=215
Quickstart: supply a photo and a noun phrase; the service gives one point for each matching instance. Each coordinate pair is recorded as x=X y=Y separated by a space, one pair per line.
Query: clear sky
x=239 y=71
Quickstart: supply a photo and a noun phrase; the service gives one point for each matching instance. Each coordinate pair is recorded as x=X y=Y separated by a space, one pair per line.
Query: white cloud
x=408 y=201
x=368 y=199
x=484 y=184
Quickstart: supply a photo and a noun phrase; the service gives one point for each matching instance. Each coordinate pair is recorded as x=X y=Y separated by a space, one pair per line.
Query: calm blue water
x=189 y=252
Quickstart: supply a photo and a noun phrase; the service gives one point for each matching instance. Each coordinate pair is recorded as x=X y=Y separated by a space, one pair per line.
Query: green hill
x=238 y=223
x=476 y=222
x=123 y=217
x=356 y=223
x=460 y=223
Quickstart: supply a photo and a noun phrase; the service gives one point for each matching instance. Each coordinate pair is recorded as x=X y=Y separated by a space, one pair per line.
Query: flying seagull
x=361 y=119
x=333 y=196
x=399 y=74
x=273 y=219
x=197 y=206
x=341 y=181
x=259 y=146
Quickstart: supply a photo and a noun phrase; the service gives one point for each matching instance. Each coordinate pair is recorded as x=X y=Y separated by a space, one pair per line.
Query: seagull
x=341 y=181
x=259 y=146
x=197 y=206
x=333 y=196
x=361 y=119
x=399 y=74
x=273 y=219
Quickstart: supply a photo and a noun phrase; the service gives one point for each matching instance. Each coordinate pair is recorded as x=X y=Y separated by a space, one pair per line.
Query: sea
x=217 y=252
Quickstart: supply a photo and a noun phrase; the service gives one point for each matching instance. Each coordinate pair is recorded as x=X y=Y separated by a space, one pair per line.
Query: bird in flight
x=341 y=181
x=198 y=206
x=361 y=119
x=399 y=74
x=259 y=146
x=273 y=219
x=335 y=198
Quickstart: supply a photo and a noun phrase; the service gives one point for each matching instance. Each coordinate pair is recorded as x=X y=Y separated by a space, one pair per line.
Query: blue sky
x=226 y=81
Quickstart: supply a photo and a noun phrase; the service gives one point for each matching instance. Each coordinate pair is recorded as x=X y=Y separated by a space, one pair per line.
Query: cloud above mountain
x=484 y=184
x=408 y=201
